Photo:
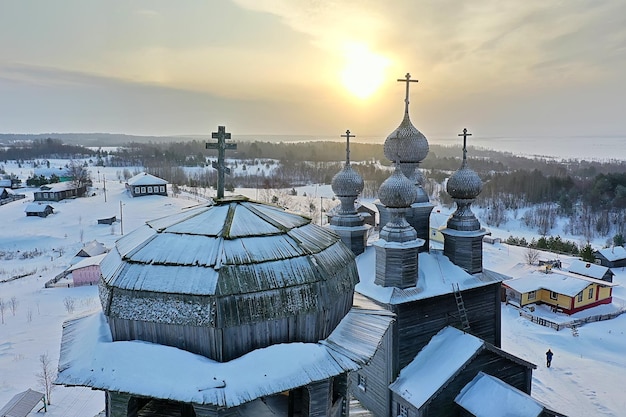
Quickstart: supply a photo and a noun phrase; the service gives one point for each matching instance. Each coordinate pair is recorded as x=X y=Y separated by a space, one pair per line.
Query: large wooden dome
x=224 y=279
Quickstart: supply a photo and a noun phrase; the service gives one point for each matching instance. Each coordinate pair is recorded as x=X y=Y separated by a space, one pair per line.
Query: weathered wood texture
x=465 y=251
x=419 y=217
x=517 y=375
x=224 y=344
x=418 y=321
x=375 y=395
x=396 y=267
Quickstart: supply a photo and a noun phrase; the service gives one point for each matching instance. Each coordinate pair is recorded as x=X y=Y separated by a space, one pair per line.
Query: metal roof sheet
x=22 y=404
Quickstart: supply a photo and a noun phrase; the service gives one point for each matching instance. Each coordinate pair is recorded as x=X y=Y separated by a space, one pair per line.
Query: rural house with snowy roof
x=146 y=184
x=59 y=191
x=563 y=290
x=614 y=257
x=591 y=270
x=39 y=210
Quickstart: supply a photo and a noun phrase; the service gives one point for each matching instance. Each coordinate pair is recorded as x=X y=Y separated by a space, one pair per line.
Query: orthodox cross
x=465 y=135
x=220 y=165
x=348 y=136
x=407 y=79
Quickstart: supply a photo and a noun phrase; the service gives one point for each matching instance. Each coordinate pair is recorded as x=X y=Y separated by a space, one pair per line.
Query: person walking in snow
x=549 y=355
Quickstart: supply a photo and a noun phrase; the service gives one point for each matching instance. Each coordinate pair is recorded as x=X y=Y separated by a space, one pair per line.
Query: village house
x=7 y=195
x=93 y=248
x=562 y=290
x=146 y=184
x=40 y=210
x=614 y=257
x=86 y=271
x=591 y=270
x=59 y=191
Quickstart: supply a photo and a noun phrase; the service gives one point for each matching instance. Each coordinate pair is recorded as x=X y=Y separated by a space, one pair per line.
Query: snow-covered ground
x=585 y=378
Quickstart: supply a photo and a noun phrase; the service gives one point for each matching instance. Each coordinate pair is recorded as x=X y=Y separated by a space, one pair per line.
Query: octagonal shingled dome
x=227 y=278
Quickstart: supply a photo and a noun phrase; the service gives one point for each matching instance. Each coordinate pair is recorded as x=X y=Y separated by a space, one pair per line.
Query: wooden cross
x=407 y=79
x=220 y=165
x=348 y=136
x=465 y=135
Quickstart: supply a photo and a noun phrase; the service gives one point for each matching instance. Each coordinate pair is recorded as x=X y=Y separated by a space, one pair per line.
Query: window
x=580 y=296
x=403 y=410
x=162 y=188
x=362 y=382
x=149 y=190
x=532 y=295
x=554 y=295
x=590 y=293
x=45 y=195
x=136 y=190
x=143 y=190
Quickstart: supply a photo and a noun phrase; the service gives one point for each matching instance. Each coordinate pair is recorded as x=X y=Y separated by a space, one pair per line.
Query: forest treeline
x=592 y=194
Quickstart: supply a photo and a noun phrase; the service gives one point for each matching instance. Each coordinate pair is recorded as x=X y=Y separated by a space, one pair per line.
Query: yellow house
x=563 y=290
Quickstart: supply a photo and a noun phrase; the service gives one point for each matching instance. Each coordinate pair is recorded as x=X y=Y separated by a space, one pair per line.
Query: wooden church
x=238 y=308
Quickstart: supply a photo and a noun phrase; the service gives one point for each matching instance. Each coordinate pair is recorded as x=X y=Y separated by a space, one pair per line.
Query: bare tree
x=13 y=303
x=531 y=255
x=68 y=302
x=46 y=375
x=78 y=173
x=3 y=305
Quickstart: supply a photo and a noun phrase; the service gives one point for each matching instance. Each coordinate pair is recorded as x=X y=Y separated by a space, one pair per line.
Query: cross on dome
x=348 y=136
x=465 y=135
x=407 y=79
x=221 y=135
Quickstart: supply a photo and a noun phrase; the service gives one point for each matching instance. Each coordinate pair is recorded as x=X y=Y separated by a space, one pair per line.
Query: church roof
x=90 y=358
x=511 y=402
x=445 y=355
x=436 y=276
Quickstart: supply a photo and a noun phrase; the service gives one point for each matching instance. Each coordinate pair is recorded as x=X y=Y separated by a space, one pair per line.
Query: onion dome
x=347 y=182
x=406 y=143
x=397 y=191
x=224 y=279
x=464 y=183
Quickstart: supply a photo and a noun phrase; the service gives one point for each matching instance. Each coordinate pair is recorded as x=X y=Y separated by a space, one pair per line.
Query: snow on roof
x=93 y=248
x=435 y=277
x=511 y=402
x=58 y=187
x=145 y=179
x=90 y=261
x=588 y=269
x=435 y=364
x=90 y=358
x=36 y=208
x=613 y=254
x=22 y=404
x=561 y=282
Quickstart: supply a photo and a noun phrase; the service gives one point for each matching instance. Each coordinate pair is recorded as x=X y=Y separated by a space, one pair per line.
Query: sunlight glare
x=364 y=72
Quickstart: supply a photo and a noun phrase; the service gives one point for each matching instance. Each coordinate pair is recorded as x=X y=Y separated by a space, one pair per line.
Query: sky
x=313 y=67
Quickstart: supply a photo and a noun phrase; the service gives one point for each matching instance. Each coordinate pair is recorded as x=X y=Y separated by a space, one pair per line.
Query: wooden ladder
x=461 y=307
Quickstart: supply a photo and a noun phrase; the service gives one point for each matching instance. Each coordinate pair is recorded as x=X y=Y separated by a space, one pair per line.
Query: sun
x=364 y=72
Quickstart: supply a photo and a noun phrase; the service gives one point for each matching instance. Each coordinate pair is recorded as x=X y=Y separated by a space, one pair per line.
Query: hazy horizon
x=297 y=67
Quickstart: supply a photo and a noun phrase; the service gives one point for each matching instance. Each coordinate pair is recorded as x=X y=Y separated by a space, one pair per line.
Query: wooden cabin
x=562 y=290
x=591 y=270
x=39 y=210
x=59 y=191
x=146 y=184
x=614 y=257
x=107 y=220
x=7 y=195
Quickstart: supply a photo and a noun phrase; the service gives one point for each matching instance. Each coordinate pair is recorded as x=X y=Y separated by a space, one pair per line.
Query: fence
x=573 y=323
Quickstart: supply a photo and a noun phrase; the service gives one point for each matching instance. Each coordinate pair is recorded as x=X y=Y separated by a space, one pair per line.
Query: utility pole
x=121 y=220
x=105 y=187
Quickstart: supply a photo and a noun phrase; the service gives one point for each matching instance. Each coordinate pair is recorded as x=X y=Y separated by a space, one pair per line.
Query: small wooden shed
x=39 y=210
